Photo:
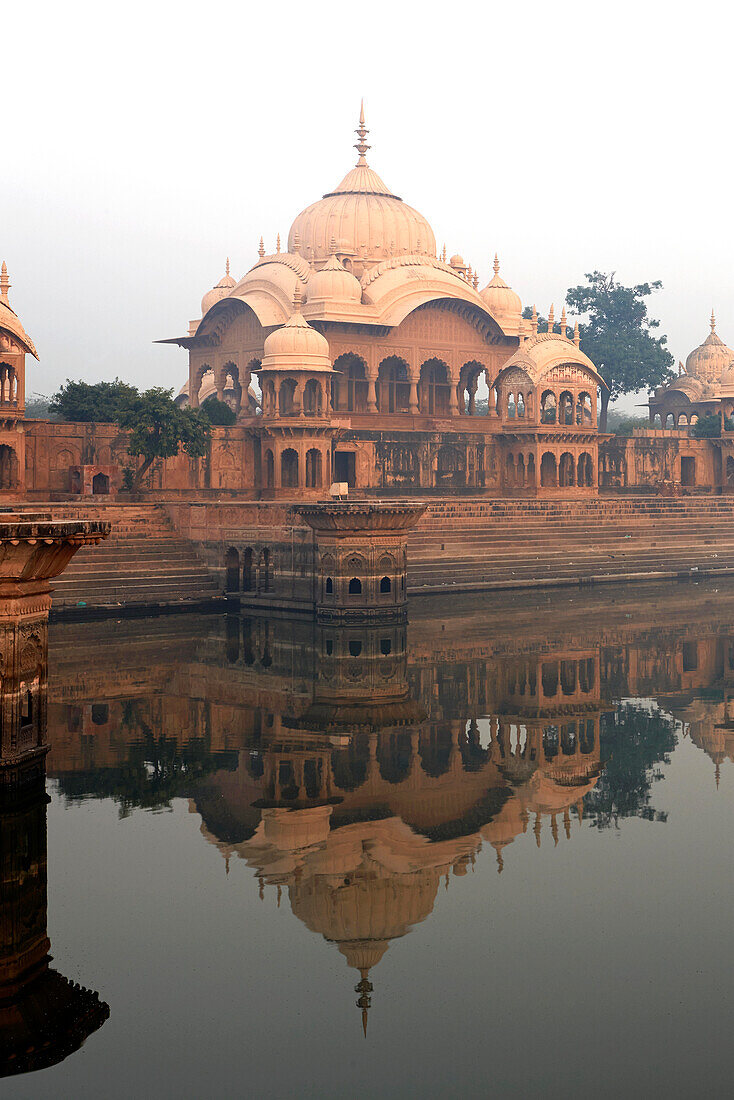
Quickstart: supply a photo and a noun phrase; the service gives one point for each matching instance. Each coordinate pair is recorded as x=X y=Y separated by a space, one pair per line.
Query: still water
x=486 y=853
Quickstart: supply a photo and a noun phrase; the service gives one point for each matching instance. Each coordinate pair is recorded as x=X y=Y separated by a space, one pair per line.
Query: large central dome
x=361 y=220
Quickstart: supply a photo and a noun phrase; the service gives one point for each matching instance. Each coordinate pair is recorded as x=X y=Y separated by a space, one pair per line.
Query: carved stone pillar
x=413 y=406
x=372 y=391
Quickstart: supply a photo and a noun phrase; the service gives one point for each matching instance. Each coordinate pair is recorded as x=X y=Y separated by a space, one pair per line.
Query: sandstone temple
x=358 y=354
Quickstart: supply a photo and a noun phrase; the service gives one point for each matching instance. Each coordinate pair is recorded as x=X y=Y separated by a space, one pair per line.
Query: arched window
x=8 y=468
x=566 y=470
x=349 y=386
x=385 y=585
x=329 y=587
x=393 y=385
x=313 y=469
x=355 y=647
x=247 y=570
x=287 y=398
x=548 y=407
x=232 y=565
x=289 y=469
x=100 y=484
x=312 y=398
x=548 y=470
x=355 y=587
x=434 y=390
x=269 y=470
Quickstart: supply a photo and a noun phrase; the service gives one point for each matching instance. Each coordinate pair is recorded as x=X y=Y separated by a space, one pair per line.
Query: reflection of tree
x=634 y=740
x=157 y=769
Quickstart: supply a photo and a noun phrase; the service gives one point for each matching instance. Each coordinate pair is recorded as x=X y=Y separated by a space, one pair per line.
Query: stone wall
x=52 y=449
x=659 y=461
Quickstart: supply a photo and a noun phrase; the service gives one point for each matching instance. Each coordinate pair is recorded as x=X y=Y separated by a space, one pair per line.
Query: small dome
x=296 y=346
x=334 y=283
x=457 y=261
x=711 y=359
x=221 y=290
x=501 y=300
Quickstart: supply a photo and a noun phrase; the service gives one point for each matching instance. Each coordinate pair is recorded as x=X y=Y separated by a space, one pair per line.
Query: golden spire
x=361 y=146
x=496 y=264
x=261 y=249
x=4 y=282
x=364 y=987
x=713 y=322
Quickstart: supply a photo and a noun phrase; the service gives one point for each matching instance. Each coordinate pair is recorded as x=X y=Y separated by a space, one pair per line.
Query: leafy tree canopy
x=709 y=427
x=87 y=401
x=619 y=336
x=218 y=412
x=160 y=429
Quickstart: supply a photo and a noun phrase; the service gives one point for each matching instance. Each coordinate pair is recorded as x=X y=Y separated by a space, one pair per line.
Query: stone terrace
x=516 y=543
x=143 y=564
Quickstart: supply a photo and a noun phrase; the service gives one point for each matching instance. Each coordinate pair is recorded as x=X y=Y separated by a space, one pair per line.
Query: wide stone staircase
x=142 y=564
x=474 y=544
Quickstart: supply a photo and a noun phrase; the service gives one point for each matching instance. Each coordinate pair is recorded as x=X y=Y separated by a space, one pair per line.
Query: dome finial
x=297 y=298
x=227 y=266
x=4 y=282
x=261 y=249
x=277 y=244
x=496 y=264
x=713 y=321
x=361 y=146
x=364 y=988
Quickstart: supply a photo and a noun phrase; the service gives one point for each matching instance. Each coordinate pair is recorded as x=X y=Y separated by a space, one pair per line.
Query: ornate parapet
x=35 y=548
x=361 y=557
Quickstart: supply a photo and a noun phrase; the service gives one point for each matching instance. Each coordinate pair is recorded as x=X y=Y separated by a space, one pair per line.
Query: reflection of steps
x=143 y=562
x=508 y=543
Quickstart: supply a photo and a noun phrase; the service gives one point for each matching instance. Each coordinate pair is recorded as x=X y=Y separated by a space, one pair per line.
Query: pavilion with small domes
x=370 y=351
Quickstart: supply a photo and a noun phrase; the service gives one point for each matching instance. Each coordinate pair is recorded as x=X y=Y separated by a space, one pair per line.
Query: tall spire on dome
x=227 y=266
x=496 y=264
x=361 y=146
x=364 y=988
x=713 y=322
x=4 y=282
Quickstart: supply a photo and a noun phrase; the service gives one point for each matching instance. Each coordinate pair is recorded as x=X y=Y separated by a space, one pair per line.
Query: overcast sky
x=145 y=142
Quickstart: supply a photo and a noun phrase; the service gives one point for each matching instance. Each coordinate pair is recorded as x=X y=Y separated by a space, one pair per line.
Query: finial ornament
x=297 y=242
x=261 y=249
x=277 y=243
x=534 y=322
x=227 y=266
x=563 y=321
x=364 y=988
x=496 y=264
x=576 y=335
x=551 y=319
x=475 y=281
x=297 y=298
x=713 y=322
x=443 y=254
x=4 y=281
x=361 y=146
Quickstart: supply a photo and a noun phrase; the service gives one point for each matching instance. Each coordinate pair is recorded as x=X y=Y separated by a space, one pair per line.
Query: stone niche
x=97 y=481
x=360 y=558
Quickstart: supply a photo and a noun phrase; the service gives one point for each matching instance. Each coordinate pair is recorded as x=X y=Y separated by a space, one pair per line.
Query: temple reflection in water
x=356 y=769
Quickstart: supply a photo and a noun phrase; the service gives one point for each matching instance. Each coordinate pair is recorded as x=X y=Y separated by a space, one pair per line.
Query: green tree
x=160 y=429
x=618 y=335
x=87 y=401
x=218 y=412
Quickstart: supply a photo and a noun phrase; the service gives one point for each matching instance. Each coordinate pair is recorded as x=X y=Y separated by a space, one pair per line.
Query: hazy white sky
x=144 y=142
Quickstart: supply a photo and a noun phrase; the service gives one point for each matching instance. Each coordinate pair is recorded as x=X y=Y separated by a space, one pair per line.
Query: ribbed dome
x=500 y=298
x=334 y=283
x=363 y=216
x=709 y=361
x=221 y=290
x=296 y=346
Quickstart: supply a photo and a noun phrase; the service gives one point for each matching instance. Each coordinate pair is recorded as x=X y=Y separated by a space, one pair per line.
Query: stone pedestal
x=361 y=558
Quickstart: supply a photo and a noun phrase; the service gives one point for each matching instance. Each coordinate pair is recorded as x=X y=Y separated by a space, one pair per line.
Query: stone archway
x=9 y=469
